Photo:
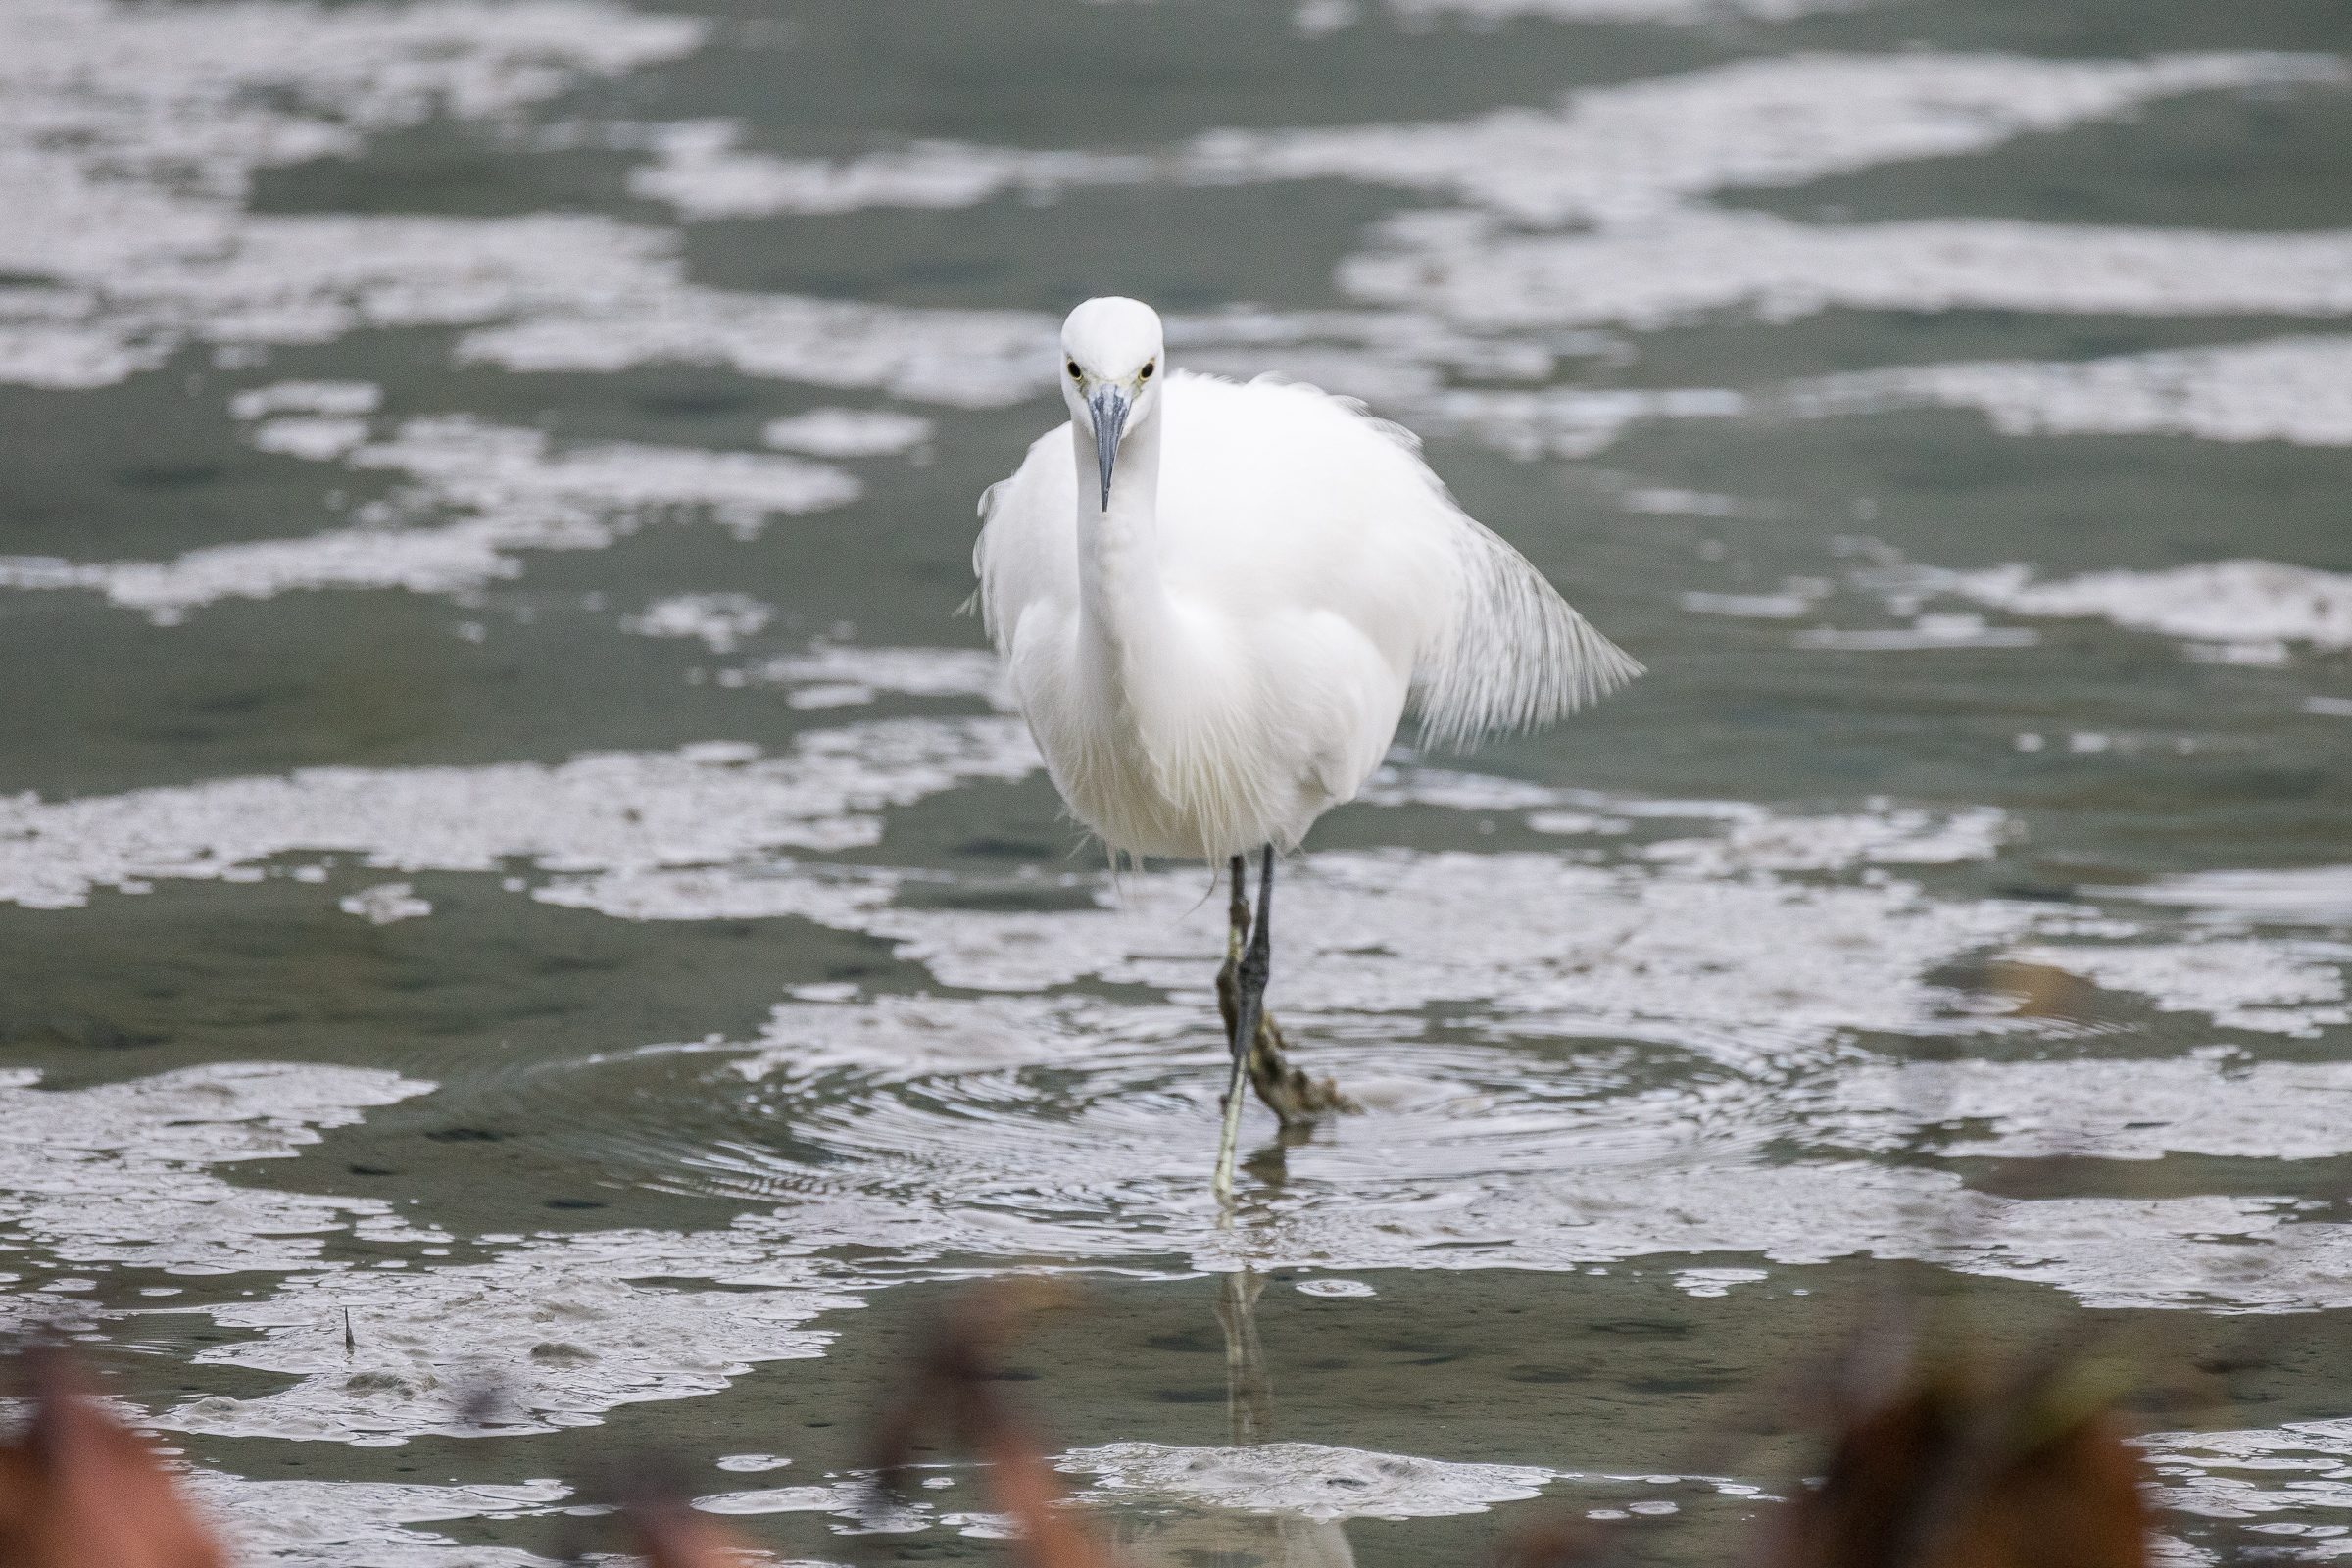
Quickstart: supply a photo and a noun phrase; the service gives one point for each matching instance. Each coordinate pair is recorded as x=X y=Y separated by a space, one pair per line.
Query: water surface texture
x=509 y=853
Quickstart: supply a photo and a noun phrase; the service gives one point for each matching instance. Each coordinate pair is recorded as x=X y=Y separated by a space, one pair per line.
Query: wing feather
x=1517 y=655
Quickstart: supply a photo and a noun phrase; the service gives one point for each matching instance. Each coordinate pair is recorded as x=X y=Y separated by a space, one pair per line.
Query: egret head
x=1112 y=363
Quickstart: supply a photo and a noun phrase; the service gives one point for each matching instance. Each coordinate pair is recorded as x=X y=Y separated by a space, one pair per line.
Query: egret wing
x=1027 y=552
x=1276 y=497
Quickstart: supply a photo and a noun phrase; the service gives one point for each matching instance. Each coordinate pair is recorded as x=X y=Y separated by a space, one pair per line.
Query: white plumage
x=1216 y=644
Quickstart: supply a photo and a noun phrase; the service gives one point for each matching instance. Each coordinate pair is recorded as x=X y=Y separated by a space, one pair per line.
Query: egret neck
x=1123 y=608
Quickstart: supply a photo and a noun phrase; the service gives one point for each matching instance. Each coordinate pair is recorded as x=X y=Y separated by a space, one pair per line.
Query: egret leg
x=1299 y=1101
x=1244 y=980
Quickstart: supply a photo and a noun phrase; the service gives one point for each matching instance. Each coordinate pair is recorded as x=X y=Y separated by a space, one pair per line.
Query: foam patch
x=1607 y=154
x=720 y=621
x=2221 y=602
x=554 y=1336
x=840 y=675
x=366 y=1524
x=1583 y=949
x=619 y=814
x=2292 y=1479
x=2294 y=389
x=1465 y=1158
x=135 y=131
x=2320 y=895
x=511 y=492
x=1662 y=13
x=962 y=359
x=1687 y=264
x=120 y=1173
x=2288 y=988
x=1309 y=1479
x=2213 y=1103
x=1564 y=422
x=848 y=432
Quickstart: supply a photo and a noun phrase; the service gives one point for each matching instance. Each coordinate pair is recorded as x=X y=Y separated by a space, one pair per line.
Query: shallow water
x=506 y=846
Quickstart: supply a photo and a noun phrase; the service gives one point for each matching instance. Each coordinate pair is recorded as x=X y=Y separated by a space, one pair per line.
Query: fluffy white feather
x=1224 y=651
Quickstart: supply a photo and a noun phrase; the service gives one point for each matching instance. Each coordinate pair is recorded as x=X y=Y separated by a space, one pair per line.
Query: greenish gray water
x=504 y=835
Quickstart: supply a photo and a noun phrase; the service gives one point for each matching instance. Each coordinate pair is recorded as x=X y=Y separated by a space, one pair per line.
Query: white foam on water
x=1393 y=785
x=2211 y=1103
x=2296 y=1478
x=1608 y=153
x=611 y=813
x=1536 y=940
x=1498 y=1163
x=1630 y=159
x=2221 y=602
x=468 y=463
x=962 y=359
x=435 y=560
x=1732 y=954
x=1946 y=631
x=145 y=258
x=840 y=675
x=314 y=440
x=363 y=1524
x=1708 y=1283
x=511 y=490
x=1562 y=422
x=2283 y=389
x=330 y=399
x=1756 y=606
x=1310 y=1480
x=680 y=836
x=385 y=903
x=2318 y=895
x=133 y=132
x=848 y=432
x=1662 y=13
x=1319 y=19
x=2294 y=389
x=699 y=170
x=1687 y=504
x=781 y=1499
x=120 y=1173
x=2274 y=987
x=1617 y=153
x=1687 y=264
x=555 y=1334
x=1892 y=836
x=1242 y=339
x=721 y=620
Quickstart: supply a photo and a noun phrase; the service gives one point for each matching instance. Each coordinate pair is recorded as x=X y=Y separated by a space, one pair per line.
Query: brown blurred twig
x=80 y=1490
x=955 y=1389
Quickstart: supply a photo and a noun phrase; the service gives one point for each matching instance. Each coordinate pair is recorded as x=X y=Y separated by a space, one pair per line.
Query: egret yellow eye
x=1073 y=370
x=1147 y=376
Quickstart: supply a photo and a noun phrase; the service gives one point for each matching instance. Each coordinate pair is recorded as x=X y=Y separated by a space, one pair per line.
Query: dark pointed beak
x=1108 y=406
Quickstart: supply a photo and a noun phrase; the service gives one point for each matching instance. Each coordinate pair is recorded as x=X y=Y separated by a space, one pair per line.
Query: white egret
x=1214 y=599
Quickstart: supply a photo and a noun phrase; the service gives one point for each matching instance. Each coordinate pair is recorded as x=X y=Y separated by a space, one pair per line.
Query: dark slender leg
x=1258 y=964
x=1237 y=932
x=1249 y=967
